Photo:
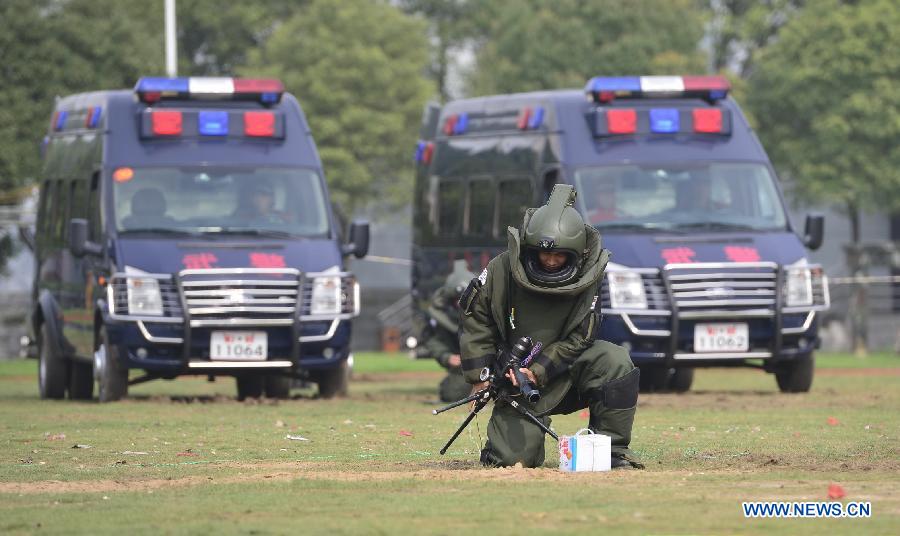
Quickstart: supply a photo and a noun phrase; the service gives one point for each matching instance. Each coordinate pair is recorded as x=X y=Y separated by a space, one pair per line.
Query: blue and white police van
x=185 y=227
x=706 y=268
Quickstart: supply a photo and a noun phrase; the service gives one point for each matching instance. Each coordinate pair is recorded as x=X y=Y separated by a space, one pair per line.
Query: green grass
x=185 y=457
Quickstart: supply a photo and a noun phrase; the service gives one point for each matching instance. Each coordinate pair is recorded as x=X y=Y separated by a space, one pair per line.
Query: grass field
x=185 y=457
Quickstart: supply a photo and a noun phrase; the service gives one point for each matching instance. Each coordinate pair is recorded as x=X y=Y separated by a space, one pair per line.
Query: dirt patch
x=444 y=471
x=867 y=372
x=372 y=377
x=449 y=471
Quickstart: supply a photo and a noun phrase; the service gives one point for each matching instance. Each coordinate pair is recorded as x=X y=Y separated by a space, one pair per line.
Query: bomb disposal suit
x=516 y=296
x=441 y=334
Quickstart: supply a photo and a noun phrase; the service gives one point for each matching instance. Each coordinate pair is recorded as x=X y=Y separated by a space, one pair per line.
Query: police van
x=706 y=268
x=185 y=227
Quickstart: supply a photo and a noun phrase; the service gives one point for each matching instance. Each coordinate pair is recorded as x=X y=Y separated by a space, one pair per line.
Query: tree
x=827 y=102
x=740 y=29
x=52 y=48
x=450 y=27
x=357 y=68
x=215 y=37
x=541 y=45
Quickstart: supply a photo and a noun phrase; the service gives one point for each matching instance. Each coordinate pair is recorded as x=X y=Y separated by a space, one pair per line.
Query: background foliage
x=818 y=79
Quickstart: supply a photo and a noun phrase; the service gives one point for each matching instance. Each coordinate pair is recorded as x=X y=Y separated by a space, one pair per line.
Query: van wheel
x=111 y=376
x=250 y=386
x=278 y=386
x=681 y=380
x=52 y=368
x=334 y=382
x=795 y=376
x=653 y=379
x=81 y=380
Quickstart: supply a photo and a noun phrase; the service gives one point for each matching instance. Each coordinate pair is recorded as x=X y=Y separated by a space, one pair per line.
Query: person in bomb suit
x=441 y=334
x=546 y=286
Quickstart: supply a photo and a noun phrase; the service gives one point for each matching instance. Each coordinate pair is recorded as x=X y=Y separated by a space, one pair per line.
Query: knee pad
x=621 y=393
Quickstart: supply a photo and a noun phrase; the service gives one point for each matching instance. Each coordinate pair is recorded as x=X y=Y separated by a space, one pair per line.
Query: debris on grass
x=295 y=437
x=832 y=421
x=133 y=452
x=279 y=423
x=188 y=452
x=80 y=446
x=405 y=433
x=54 y=437
x=836 y=491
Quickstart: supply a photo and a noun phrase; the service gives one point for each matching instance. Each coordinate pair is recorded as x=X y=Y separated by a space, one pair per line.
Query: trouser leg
x=513 y=438
x=607 y=382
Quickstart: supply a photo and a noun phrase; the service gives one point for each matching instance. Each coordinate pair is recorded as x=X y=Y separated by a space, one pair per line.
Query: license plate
x=725 y=337
x=238 y=345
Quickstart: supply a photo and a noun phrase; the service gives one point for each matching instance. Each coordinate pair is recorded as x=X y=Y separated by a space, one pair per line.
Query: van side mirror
x=814 y=231
x=78 y=239
x=358 y=243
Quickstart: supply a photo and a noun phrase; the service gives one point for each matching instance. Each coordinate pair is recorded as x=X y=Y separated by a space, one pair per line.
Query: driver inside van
x=257 y=205
x=602 y=202
x=148 y=211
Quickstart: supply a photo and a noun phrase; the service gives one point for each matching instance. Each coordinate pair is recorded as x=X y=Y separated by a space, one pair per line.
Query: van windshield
x=200 y=200
x=708 y=196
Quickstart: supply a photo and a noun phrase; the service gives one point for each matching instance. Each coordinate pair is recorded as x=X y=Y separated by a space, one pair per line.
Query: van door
x=75 y=293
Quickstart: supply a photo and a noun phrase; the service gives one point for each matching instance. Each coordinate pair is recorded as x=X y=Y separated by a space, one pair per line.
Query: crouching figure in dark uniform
x=546 y=286
x=441 y=334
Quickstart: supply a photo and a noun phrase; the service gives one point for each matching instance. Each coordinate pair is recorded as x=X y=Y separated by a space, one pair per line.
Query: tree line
x=819 y=79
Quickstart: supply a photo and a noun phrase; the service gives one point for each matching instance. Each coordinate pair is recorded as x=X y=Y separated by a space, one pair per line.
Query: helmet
x=454 y=285
x=555 y=227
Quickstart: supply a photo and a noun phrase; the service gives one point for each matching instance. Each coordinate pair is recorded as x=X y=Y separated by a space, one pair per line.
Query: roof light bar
x=153 y=89
x=259 y=124
x=617 y=121
x=59 y=122
x=166 y=123
x=92 y=118
x=604 y=89
x=622 y=121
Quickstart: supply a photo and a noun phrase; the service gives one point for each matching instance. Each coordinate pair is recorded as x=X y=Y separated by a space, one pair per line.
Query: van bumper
x=650 y=342
x=161 y=348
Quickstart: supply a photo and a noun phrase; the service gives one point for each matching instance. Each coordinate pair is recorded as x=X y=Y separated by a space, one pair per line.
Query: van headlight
x=626 y=290
x=144 y=298
x=326 y=296
x=805 y=286
x=799 y=286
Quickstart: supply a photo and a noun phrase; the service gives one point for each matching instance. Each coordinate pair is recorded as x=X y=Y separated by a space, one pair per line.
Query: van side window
x=93 y=209
x=79 y=200
x=61 y=214
x=48 y=230
x=515 y=197
x=450 y=196
x=480 y=208
x=43 y=210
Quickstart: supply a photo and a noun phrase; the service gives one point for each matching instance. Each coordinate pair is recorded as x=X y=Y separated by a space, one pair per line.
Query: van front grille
x=241 y=296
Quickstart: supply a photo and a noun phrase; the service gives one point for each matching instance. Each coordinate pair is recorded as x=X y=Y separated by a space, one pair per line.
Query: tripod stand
x=481 y=398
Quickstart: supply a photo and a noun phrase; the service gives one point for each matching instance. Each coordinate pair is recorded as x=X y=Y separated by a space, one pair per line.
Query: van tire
x=796 y=376
x=53 y=370
x=653 y=379
x=334 y=382
x=278 y=386
x=250 y=385
x=81 y=380
x=111 y=376
x=681 y=380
